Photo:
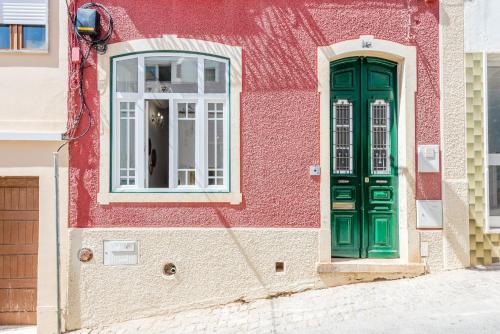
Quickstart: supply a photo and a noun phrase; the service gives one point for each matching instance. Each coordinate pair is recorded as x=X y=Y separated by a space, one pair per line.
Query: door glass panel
x=380 y=138
x=342 y=137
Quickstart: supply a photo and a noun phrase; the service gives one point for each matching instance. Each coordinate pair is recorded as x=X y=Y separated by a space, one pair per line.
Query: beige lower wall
x=215 y=266
x=29 y=158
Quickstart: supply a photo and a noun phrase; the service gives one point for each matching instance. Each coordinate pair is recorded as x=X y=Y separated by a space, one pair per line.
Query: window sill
x=24 y=52
x=231 y=198
x=492 y=230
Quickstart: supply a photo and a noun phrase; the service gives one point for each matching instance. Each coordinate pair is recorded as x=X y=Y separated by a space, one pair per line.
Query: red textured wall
x=279 y=102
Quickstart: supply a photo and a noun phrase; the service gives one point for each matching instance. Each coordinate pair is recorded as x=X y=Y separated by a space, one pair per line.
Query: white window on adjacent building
x=23 y=25
x=170 y=123
x=492 y=139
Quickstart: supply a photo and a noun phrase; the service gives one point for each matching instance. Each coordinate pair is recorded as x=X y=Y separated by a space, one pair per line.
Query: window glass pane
x=493 y=104
x=127 y=143
x=171 y=74
x=494 y=190
x=215 y=76
x=211 y=146
x=126 y=76
x=215 y=143
x=186 y=145
x=34 y=37
x=4 y=36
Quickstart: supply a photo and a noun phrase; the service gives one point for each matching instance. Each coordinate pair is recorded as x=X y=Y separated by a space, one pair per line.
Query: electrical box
x=428 y=158
x=429 y=214
x=87 y=21
x=120 y=252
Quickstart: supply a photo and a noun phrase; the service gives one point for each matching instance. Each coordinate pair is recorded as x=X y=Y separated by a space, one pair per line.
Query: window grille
x=380 y=137
x=342 y=137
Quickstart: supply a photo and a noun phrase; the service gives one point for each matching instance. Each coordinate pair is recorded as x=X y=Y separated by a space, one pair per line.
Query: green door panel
x=345 y=238
x=363 y=155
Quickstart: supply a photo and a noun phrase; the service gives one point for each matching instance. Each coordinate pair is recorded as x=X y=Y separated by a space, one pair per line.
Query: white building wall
x=33 y=85
x=482 y=25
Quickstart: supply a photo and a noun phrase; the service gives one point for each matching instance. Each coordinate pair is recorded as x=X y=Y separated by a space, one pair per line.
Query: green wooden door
x=364 y=183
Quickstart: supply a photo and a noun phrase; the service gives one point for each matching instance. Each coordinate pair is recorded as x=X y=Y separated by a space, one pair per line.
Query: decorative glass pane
x=34 y=37
x=4 y=36
x=127 y=143
x=215 y=76
x=186 y=143
x=342 y=137
x=171 y=74
x=380 y=137
x=215 y=143
x=126 y=76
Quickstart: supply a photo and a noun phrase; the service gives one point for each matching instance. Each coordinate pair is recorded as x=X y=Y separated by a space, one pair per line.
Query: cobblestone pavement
x=462 y=301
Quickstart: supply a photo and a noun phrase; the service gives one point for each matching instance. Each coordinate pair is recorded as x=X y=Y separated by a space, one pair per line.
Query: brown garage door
x=18 y=250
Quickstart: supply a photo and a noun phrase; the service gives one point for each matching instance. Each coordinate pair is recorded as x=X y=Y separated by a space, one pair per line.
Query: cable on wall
x=80 y=48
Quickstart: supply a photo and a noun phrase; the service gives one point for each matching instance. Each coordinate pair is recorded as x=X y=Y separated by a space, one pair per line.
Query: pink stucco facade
x=280 y=120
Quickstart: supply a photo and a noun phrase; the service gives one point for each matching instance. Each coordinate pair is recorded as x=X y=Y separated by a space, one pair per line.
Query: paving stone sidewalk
x=461 y=301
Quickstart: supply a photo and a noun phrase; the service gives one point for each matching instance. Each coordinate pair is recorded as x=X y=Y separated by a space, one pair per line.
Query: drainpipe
x=58 y=238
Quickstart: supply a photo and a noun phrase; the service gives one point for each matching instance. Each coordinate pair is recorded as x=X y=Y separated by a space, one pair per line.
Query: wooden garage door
x=18 y=250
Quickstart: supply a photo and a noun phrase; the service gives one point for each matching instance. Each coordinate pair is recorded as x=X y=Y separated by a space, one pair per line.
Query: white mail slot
x=120 y=252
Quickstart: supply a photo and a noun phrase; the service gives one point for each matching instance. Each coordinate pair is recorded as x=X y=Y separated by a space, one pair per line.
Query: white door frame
x=405 y=57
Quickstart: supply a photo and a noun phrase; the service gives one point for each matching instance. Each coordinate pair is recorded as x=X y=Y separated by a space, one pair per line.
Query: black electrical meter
x=87 y=21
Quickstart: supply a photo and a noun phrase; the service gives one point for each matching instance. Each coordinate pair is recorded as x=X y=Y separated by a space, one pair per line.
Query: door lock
x=367 y=179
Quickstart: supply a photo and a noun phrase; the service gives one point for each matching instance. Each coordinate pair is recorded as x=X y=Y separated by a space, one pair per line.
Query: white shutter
x=32 y=12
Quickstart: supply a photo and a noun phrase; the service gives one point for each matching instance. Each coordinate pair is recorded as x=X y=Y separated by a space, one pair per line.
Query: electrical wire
x=85 y=44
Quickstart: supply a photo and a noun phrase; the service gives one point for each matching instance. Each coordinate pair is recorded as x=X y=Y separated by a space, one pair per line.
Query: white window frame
x=161 y=44
x=201 y=126
x=492 y=223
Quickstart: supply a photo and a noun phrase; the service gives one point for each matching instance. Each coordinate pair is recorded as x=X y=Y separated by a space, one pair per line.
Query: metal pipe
x=58 y=242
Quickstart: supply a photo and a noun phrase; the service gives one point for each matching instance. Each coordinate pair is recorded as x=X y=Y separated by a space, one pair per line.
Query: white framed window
x=23 y=25
x=170 y=123
x=491 y=75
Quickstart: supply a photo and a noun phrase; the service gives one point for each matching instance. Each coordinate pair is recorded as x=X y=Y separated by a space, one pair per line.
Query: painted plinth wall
x=227 y=251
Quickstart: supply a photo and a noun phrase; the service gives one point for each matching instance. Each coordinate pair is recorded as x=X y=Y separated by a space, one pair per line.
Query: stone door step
x=389 y=266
